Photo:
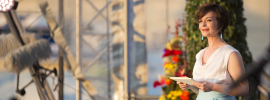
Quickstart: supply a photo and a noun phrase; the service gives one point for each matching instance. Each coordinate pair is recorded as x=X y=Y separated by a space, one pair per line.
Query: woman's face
x=208 y=25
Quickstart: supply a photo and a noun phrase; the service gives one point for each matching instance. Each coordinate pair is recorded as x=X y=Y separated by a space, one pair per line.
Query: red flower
x=178 y=73
x=175 y=59
x=156 y=83
x=168 y=82
x=185 y=95
x=162 y=81
x=171 y=52
x=183 y=76
x=177 y=52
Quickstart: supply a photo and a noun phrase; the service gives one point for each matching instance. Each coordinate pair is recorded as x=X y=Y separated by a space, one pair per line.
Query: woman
x=219 y=64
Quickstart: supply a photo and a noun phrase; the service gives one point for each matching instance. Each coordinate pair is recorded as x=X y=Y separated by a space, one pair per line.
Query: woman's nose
x=204 y=23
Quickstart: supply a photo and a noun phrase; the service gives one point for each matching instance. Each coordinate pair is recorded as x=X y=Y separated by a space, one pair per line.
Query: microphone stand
x=41 y=84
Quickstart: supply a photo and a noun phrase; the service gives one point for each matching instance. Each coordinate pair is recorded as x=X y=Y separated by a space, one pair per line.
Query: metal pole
x=34 y=75
x=60 y=56
x=108 y=53
x=78 y=46
x=99 y=12
x=96 y=8
x=97 y=57
x=12 y=26
x=48 y=90
x=126 y=51
x=61 y=76
x=17 y=21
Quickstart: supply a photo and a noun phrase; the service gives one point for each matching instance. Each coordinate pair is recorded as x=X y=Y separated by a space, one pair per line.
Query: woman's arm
x=236 y=69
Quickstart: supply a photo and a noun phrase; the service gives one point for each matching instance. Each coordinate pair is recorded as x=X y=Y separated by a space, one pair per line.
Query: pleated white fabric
x=215 y=69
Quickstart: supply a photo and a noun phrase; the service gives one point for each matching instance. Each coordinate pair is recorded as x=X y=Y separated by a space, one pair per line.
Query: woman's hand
x=204 y=86
x=183 y=86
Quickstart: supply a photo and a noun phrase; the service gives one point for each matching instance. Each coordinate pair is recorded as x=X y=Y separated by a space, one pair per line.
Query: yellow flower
x=169 y=95
x=162 y=97
x=173 y=98
x=171 y=66
x=168 y=46
x=167 y=71
x=179 y=92
x=167 y=65
x=170 y=69
x=176 y=93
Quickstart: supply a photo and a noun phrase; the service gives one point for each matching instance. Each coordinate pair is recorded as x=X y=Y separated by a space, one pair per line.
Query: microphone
x=9 y=43
x=25 y=56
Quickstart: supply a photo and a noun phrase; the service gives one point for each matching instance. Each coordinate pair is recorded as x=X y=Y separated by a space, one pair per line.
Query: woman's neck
x=215 y=42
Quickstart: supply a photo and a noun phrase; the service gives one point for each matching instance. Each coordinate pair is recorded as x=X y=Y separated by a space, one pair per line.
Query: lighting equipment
x=6 y=5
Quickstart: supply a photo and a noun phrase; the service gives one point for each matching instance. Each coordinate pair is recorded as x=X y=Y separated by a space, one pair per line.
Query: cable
x=33 y=22
x=75 y=89
x=69 y=86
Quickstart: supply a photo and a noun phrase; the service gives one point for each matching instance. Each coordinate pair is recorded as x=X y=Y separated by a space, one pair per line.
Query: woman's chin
x=204 y=34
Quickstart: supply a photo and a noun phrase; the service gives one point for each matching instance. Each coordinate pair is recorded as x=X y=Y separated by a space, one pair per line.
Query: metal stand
x=16 y=29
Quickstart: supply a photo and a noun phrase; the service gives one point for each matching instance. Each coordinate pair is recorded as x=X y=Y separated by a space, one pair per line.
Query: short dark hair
x=221 y=13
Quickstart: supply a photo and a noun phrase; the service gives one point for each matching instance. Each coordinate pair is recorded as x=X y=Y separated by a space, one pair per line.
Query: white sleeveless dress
x=215 y=70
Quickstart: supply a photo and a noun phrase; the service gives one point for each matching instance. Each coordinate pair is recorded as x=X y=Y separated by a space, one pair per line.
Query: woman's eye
x=209 y=20
x=200 y=21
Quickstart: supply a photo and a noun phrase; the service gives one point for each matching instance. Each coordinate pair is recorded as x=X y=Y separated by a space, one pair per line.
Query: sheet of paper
x=183 y=79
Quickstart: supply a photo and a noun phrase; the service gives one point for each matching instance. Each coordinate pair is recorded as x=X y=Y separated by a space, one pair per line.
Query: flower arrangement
x=175 y=65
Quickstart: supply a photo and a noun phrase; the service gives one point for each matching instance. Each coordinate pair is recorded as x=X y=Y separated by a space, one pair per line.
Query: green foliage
x=235 y=34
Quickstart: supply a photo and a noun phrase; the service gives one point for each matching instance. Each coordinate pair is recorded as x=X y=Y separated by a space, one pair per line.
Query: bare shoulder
x=235 y=64
x=233 y=53
x=235 y=56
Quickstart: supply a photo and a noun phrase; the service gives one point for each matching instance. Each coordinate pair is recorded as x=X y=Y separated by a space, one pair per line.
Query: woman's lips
x=205 y=29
